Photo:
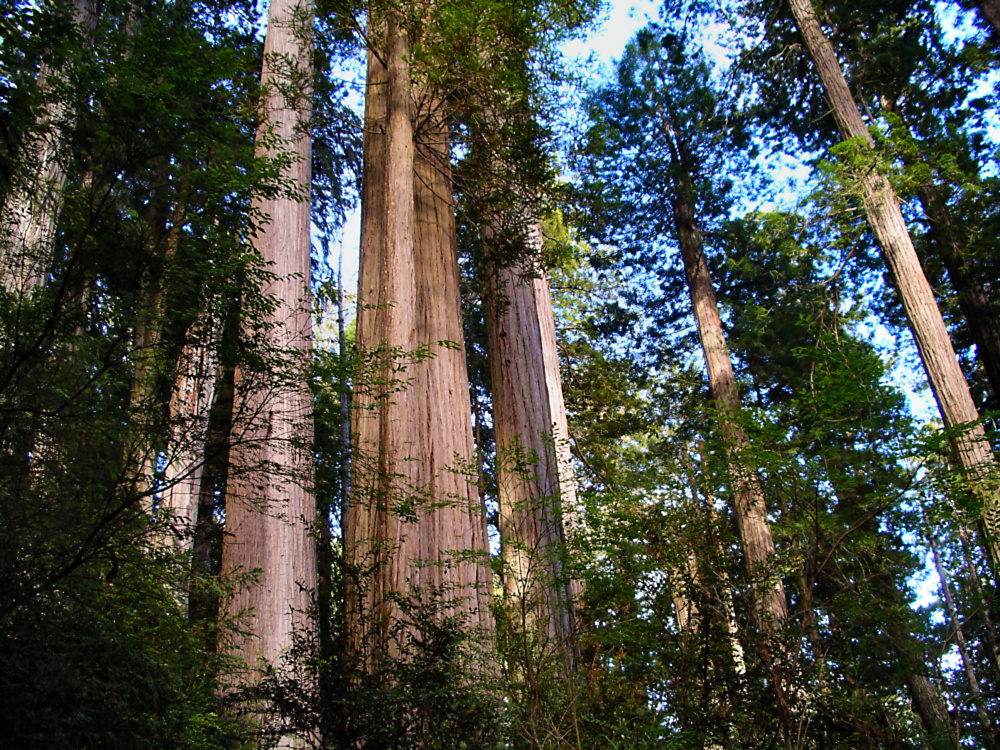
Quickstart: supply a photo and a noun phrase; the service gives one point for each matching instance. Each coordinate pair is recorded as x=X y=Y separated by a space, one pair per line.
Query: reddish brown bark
x=415 y=523
x=537 y=489
x=770 y=606
x=749 y=508
x=190 y=406
x=270 y=509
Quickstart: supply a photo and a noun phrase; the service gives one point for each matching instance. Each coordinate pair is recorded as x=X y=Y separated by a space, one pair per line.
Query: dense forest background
x=621 y=441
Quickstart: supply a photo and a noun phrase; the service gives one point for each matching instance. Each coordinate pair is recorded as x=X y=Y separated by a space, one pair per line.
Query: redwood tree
x=270 y=508
x=415 y=528
x=536 y=486
x=663 y=112
x=958 y=410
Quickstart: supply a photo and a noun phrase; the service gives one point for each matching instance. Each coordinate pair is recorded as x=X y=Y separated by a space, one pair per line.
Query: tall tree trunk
x=951 y=390
x=770 y=606
x=415 y=518
x=270 y=508
x=982 y=319
x=345 y=397
x=537 y=488
x=190 y=406
x=932 y=710
x=207 y=545
x=28 y=221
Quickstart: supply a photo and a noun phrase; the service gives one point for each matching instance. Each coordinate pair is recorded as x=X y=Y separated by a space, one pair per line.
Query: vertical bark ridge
x=190 y=405
x=270 y=509
x=537 y=488
x=415 y=527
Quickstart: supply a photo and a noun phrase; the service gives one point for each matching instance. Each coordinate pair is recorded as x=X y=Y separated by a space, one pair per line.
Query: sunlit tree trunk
x=189 y=407
x=982 y=321
x=270 y=508
x=414 y=523
x=981 y=318
x=770 y=607
x=28 y=221
x=951 y=390
x=537 y=488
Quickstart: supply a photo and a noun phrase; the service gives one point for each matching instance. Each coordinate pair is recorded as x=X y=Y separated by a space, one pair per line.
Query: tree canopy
x=620 y=440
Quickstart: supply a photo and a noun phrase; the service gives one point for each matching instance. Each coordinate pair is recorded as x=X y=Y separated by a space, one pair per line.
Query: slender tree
x=661 y=110
x=958 y=410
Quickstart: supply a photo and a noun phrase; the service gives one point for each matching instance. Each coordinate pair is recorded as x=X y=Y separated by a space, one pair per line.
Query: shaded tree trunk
x=990 y=12
x=28 y=222
x=270 y=508
x=190 y=407
x=415 y=525
x=537 y=488
x=951 y=390
x=207 y=545
x=345 y=397
x=932 y=710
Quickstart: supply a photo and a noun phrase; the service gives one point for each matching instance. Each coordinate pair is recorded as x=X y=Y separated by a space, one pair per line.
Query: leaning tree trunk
x=982 y=319
x=415 y=526
x=28 y=221
x=770 y=607
x=951 y=390
x=270 y=508
x=537 y=489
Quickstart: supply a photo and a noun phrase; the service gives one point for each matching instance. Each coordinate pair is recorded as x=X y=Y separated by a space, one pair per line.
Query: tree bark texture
x=770 y=606
x=951 y=390
x=982 y=319
x=270 y=509
x=415 y=528
x=932 y=710
x=537 y=487
x=29 y=219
